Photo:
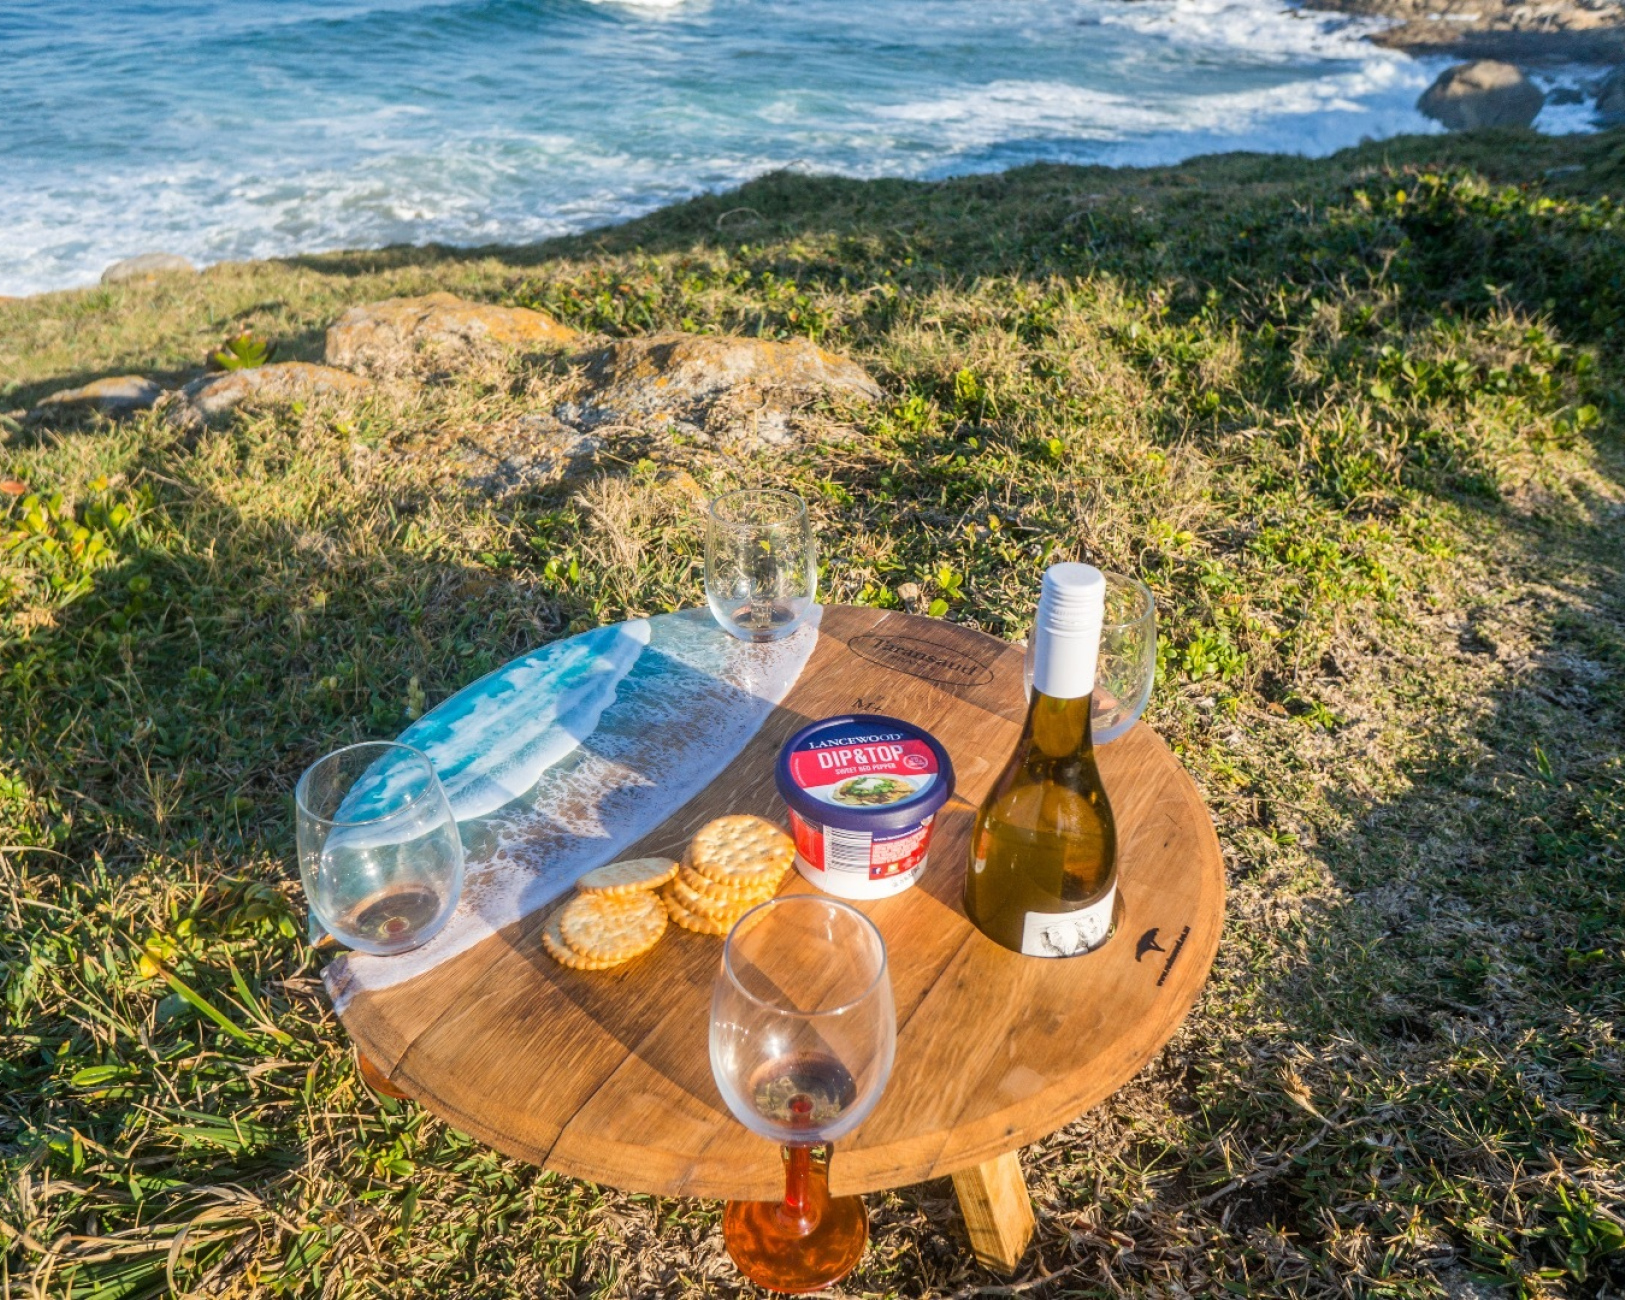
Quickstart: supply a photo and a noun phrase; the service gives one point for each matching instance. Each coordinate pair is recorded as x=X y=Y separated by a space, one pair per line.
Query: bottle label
x=1068 y=934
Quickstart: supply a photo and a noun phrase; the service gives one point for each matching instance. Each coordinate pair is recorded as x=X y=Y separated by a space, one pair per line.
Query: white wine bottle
x=1043 y=860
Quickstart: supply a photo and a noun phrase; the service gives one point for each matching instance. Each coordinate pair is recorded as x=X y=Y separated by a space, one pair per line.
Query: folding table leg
x=998 y=1213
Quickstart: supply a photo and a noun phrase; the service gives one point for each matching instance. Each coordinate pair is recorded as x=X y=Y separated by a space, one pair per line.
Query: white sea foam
x=135 y=125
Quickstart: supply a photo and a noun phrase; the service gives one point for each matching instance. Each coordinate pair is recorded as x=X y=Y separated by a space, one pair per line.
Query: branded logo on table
x=924 y=659
x=1148 y=943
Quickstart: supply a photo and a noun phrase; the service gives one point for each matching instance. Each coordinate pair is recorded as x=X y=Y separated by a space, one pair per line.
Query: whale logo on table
x=559 y=760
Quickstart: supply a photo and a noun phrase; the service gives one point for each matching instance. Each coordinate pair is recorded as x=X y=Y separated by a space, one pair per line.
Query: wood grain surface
x=606 y=1075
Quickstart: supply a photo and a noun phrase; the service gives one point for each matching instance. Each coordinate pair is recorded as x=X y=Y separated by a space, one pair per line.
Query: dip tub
x=863 y=792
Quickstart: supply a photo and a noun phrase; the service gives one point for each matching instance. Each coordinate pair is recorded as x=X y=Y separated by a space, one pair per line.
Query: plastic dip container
x=863 y=792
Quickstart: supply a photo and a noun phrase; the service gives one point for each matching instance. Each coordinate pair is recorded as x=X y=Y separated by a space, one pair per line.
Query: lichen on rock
x=399 y=334
x=289 y=381
x=724 y=384
x=115 y=396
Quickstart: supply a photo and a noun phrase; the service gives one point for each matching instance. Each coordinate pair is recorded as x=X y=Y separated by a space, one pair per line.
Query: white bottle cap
x=1066 y=634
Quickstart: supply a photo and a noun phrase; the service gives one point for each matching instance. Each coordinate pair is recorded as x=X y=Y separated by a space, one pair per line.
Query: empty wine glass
x=1127 y=665
x=379 y=853
x=803 y=1032
x=761 y=574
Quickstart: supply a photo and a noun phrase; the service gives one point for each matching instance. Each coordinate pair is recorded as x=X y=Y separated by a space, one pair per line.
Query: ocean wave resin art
x=559 y=760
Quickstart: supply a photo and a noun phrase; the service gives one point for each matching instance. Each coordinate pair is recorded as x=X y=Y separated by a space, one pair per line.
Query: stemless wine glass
x=761 y=573
x=803 y=1032
x=1128 y=658
x=379 y=853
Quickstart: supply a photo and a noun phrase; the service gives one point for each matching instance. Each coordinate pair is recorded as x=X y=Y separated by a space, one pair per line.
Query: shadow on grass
x=1435 y=1089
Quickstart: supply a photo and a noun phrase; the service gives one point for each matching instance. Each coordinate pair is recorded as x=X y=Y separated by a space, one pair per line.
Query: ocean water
x=252 y=129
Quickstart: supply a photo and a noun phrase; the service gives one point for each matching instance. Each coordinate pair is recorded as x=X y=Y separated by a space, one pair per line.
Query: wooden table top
x=606 y=1075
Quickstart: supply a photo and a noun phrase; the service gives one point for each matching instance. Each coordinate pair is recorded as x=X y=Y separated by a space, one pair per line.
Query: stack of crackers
x=620 y=910
x=731 y=865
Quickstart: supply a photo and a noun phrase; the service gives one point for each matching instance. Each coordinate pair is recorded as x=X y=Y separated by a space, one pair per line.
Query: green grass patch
x=1355 y=421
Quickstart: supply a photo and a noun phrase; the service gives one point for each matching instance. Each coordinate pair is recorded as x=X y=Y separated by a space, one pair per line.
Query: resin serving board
x=558 y=760
x=632 y=747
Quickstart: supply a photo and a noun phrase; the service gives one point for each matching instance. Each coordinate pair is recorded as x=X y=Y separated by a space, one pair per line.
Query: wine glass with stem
x=803 y=1032
x=761 y=569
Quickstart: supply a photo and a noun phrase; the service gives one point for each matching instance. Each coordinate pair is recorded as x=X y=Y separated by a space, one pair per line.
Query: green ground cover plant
x=1356 y=421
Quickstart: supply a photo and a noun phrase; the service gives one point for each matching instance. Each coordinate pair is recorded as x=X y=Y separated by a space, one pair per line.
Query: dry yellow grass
x=1355 y=421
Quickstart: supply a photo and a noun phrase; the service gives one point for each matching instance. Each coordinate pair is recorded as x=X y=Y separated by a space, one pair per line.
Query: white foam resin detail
x=563 y=758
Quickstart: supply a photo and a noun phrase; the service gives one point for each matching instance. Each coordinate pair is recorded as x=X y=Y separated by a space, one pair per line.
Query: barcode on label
x=847 y=850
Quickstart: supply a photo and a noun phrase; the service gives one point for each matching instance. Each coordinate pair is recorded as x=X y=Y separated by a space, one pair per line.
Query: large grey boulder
x=1483 y=93
x=395 y=334
x=116 y=396
x=148 y=266
x=205 y=399
x=1611 y=97
x=748 y=385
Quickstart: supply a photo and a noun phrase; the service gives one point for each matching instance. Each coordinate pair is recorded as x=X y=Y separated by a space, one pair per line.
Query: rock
x=694 y=378
x=287 y=381
x=533 y=449
x=390 y=335
x=1480 y=94
x=1611 y=96
x=117 y=396
x=147 y=267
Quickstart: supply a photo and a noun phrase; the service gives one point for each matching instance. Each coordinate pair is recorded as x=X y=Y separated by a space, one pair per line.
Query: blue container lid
x=864 y=772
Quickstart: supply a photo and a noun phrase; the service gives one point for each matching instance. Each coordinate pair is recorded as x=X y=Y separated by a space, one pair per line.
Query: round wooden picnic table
x=606 y=1076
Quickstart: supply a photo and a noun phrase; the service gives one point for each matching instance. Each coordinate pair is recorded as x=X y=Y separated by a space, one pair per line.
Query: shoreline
x=1556 y=32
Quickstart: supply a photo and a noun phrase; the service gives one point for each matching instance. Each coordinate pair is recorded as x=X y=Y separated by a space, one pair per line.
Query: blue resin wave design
x=491 y=742
x=568 y=755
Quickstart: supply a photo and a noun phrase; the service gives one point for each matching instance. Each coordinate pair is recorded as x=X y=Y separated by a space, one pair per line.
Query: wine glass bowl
x=802 y=1012
x=379 y=853
x=761 y=572
x=1127 y=664
x=803 y=1035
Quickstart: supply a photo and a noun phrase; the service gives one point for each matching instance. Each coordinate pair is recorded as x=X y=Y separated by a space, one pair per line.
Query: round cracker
x=740 y=849
x=629 y=876
x=716 y=905
x=565 y=955
x=612 y=927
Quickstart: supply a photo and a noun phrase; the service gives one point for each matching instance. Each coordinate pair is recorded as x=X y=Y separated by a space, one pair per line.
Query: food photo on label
x=863 y=791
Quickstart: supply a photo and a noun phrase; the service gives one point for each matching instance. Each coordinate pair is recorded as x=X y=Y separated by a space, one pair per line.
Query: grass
x=1356 y=421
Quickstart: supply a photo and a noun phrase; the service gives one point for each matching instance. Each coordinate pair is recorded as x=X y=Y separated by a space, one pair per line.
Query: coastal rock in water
x=147 y=267
x=701 y=379
x=287 y=381
x=116 y=396
x=1611 y=97
x=1483 y=93
x=391 y=335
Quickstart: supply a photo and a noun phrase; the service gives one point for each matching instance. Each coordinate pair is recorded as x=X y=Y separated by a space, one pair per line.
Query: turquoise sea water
x=240 y=130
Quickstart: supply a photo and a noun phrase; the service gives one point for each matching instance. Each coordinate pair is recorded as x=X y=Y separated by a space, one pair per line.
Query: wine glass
x=1127 y=665
x=379 y=853
x=761 y=575
x=803 y=1032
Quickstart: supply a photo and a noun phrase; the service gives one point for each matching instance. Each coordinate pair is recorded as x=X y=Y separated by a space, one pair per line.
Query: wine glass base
x=774 y=1256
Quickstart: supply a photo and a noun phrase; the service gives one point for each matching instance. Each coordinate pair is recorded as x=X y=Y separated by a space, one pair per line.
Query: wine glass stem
x=798 y=1214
